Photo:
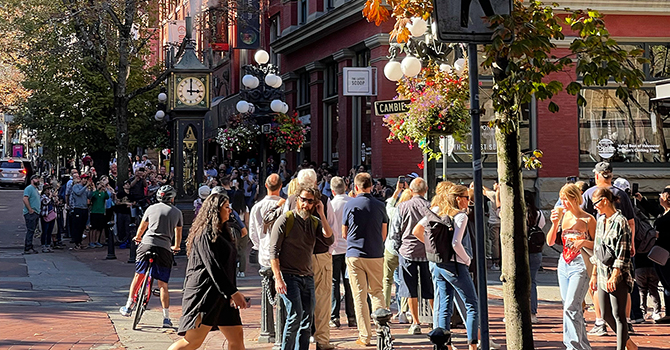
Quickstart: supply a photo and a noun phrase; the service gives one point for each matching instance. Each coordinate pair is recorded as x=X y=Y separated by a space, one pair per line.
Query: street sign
x=463 y=21
x=358 y=81
x=391 y=107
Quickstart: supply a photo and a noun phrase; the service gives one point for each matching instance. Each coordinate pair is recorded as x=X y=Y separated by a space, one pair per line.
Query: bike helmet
x=166 y=193
x=218 y=190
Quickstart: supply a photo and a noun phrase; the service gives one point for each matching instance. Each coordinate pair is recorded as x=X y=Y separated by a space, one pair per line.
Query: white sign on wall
x=359 y=81
x=176 y=31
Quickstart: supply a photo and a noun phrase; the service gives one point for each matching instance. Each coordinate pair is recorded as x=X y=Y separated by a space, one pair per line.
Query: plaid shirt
x=46 y=205
x=617 y=236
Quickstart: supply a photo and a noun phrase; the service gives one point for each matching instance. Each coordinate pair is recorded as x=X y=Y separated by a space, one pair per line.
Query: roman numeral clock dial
x=191 y=91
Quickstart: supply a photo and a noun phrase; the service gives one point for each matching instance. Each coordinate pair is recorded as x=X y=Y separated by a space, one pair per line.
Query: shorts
x=162 y=266
x=221 y=315
x=409 y=279
x=98 y=221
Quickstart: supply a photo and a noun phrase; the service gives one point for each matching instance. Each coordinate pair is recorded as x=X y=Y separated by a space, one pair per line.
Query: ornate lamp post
x=261 y=99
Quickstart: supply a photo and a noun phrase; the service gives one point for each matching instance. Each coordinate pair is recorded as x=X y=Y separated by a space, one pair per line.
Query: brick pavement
x=61 y=322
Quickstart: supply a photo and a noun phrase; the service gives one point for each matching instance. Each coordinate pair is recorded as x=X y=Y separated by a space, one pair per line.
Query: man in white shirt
x=259 y=233
x=339 y=250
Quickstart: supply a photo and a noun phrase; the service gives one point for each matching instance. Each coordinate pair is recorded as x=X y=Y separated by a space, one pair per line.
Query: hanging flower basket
x=288 y=133
x=438 y=107
x=238 y=138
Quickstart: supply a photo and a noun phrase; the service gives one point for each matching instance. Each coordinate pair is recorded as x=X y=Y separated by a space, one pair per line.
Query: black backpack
x=438 y=237
x=645 y=234
x=536 y=237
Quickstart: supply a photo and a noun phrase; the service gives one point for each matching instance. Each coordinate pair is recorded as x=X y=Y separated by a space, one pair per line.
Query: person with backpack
x=534 y=222
x=292 y=242
x=449 y=252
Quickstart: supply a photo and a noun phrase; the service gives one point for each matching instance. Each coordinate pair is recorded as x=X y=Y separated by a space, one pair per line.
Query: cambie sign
x=391 y=107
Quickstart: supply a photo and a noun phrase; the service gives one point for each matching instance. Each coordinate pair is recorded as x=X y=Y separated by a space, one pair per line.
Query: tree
x=525 y=68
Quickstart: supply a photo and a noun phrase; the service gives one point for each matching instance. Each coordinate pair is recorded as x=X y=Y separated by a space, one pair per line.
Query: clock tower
x=189 y=98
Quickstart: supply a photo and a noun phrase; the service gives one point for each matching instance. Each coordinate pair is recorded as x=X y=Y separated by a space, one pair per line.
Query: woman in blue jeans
x=578 y=229
x=451 y=274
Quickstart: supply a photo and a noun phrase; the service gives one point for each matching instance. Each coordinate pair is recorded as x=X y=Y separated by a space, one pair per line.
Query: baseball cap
x=413 y=175
x=604 y=168
x=203 y=192
x=622 y=184
x=34 y=177
x=84 y=176
x=666 y=190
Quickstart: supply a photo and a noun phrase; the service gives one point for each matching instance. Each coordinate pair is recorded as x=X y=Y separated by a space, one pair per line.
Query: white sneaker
x=533 y=319
x=492 y=345
x=414 y=329
x=495 y=267
x=656 y=316
x=402 y=318
x=241 y=275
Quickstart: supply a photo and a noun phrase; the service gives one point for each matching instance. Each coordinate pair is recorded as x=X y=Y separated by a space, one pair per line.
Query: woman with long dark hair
x=613 y=277
x=211 y=300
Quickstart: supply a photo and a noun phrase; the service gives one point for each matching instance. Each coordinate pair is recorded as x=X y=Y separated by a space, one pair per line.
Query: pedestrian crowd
x=323 y=240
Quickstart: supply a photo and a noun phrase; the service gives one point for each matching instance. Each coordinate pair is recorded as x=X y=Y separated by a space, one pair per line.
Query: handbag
x=605 y=254
x=658 y=255
x=51 y=216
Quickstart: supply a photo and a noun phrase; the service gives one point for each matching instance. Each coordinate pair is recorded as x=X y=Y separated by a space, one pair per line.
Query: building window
x=461 y=152
x=330 y=4
x=626 y=133
x=302 y=11
x=303 y=110
x=331 y=82
x=609 y=129
x=275 y=33
x=362 y=122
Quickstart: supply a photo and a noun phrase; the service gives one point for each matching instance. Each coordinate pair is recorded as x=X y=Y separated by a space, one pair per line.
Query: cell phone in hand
x=636 y=188
x=402 y=179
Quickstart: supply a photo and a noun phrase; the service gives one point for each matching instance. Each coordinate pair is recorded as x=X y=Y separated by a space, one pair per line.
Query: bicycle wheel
x=142 y=297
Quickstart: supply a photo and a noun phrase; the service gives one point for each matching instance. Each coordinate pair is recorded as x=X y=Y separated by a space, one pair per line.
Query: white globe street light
x=160 y=115
x=250 y=81
x=162 y=97
x=242 y=106
x=262 y=57
x=271 y=79
x=459 y=66
x=277 y=106
x=418 y=27
x=410 y=66
x=393 y=71
x=446 y=68
x=285 y=108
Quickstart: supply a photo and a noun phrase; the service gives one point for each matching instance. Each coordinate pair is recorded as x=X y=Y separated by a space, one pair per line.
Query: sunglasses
x=307 y=200
x=598 y=201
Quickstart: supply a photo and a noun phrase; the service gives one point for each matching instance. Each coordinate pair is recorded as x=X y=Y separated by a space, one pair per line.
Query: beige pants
x=365 y=277
x=322 y=264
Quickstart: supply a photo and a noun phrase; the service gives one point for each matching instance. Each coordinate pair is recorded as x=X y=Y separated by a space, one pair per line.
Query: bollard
x=133 y=232
x=384 y=340
x=267 y=301
x=281 y=320
x=110 y=241
x=440 y=338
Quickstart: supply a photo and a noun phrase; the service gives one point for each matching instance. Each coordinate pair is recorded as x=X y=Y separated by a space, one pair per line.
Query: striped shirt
x=615 y=233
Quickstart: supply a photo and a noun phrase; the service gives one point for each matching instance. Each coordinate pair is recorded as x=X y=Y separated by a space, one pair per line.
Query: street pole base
x=110 y=257
x=266 y=339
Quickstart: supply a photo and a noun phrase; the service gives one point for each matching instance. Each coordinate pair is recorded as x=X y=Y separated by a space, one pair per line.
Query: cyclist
x=161 y=222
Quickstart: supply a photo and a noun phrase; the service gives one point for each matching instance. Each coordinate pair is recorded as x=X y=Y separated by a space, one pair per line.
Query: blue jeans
x=299 y=301
x=535 y=261
x=573 y=281
x=447 y=279
x=47 y=229
x=31 y=225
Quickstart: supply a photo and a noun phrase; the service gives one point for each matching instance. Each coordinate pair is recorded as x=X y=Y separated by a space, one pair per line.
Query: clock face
x=190 y=91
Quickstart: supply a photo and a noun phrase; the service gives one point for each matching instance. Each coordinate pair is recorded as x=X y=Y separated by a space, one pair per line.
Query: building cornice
x=377 y=40
x=290 y=76
x=315 y=66
x=343 y=54
x=341 y=17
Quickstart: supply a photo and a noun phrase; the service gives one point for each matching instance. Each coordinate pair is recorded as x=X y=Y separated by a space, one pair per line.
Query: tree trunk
x=513 y=238
x=122 y=139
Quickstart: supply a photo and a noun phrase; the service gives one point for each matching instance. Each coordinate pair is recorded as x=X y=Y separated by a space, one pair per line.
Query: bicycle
x=141 y=297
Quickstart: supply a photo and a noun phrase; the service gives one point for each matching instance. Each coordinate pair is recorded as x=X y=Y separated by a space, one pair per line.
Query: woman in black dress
x=211 y=300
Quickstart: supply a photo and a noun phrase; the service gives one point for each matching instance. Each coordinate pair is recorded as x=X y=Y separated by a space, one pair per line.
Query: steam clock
x=189 y=98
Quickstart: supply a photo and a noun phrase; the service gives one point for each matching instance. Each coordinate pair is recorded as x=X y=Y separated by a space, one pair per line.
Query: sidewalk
x=70 y=300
